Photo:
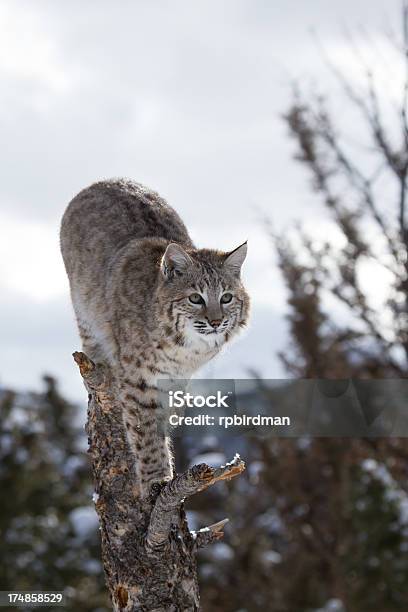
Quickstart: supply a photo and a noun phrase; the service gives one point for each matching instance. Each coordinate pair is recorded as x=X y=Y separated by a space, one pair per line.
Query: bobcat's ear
x=235 y=259
x=175 y=261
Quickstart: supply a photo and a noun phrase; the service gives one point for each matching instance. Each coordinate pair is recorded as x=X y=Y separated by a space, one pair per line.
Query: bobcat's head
x=202 y=293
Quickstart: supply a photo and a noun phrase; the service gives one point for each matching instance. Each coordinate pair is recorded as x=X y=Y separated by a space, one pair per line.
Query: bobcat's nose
x=215 y=323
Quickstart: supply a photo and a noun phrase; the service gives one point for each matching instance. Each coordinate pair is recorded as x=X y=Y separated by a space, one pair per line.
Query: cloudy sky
x=183 y=96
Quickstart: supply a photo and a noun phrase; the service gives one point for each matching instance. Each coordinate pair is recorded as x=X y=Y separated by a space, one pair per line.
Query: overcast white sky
x=183 y=96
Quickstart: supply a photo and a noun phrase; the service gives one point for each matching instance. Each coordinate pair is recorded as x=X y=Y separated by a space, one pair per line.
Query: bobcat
x=147 y=302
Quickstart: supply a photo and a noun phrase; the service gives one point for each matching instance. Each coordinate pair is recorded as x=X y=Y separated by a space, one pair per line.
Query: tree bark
x=148 y=551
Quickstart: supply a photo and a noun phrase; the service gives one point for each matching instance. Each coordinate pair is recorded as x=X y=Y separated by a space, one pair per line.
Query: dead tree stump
x=148 y=551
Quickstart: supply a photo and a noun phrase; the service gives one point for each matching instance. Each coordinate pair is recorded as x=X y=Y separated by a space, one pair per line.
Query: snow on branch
x=196 y=479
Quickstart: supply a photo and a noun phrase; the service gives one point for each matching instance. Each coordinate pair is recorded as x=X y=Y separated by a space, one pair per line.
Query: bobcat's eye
x=196 y=298
x=226 y=298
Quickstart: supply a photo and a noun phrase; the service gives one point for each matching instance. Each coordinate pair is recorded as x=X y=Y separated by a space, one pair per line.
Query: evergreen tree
x=48 y=526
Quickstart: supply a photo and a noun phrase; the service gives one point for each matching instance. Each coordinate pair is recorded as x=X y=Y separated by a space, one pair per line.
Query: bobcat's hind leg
x=90 y=345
